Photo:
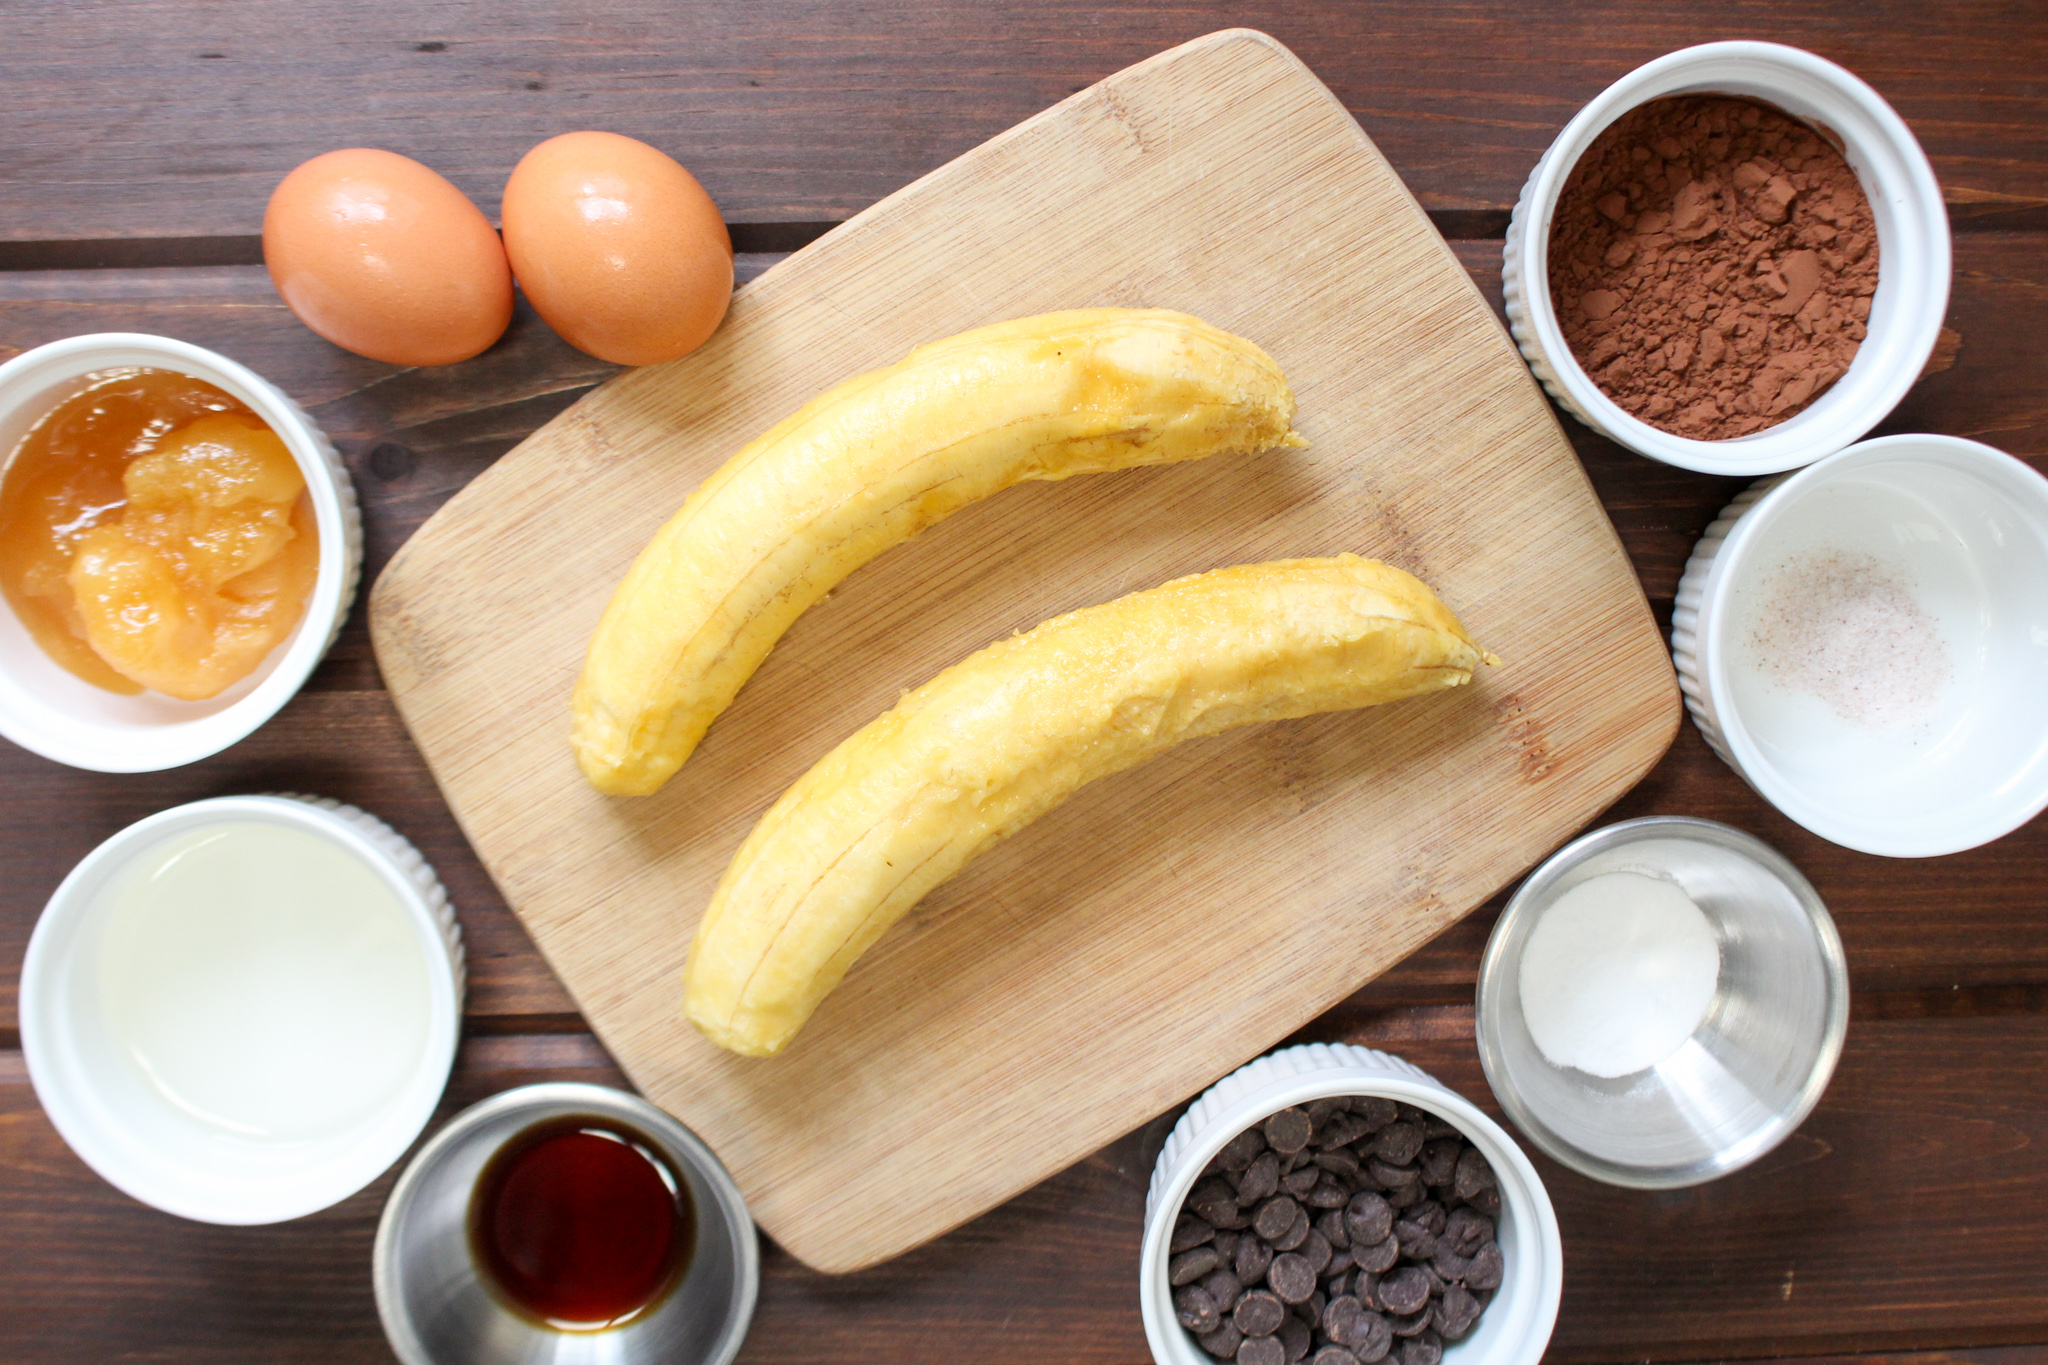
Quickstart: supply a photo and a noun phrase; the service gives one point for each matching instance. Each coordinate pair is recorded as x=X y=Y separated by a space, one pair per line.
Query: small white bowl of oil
x=245 y=1009
x=1866 y=643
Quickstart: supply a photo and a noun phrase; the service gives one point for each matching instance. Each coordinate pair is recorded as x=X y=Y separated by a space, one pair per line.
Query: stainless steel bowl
x=437 y=1309
x=1759 y=1060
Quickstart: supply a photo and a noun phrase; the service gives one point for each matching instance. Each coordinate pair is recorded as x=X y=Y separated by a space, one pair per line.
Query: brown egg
x=618 y=247
x=380 y=255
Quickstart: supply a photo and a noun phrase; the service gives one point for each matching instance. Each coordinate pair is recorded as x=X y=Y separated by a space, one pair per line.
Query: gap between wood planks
x=131 y=253
x=522 y=1041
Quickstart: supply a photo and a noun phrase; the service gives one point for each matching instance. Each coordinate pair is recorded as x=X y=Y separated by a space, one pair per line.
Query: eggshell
x=382 y=256
x=618 y=247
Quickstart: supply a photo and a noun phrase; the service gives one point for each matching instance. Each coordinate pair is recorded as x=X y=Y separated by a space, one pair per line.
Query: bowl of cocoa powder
x=1734 y=260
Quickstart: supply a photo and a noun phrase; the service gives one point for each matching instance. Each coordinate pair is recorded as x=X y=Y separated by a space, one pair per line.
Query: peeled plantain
x=874 y=461
x=1011 y=731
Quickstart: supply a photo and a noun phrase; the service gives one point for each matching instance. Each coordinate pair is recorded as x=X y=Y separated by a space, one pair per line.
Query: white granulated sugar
x=1843 y=627
x=1618 y=973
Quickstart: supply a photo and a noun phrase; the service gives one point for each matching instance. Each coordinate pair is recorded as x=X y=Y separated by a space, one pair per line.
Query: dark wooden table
x=141 y=139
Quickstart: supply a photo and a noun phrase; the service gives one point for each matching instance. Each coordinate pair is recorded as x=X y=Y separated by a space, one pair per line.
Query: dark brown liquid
x=578 y=1222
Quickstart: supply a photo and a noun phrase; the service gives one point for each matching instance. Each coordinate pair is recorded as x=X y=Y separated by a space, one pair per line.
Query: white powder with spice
x=1618 y=973
x=1843 y=627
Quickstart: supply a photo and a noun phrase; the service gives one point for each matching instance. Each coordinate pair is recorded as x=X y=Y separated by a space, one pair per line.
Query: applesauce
x=155 y=533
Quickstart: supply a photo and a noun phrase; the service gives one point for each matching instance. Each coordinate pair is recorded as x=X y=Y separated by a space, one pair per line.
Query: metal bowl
x=1753 y=1069
x=436 y=1308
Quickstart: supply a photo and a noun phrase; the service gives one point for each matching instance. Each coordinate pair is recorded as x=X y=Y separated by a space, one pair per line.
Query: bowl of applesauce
x=179 y=545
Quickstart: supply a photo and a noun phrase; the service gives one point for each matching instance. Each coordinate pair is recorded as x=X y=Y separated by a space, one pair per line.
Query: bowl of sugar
x=1662 y=1002
x=1865 y=642
x=244 y=1009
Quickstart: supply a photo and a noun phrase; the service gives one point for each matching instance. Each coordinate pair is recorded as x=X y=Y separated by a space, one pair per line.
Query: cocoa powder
x=1712 y=262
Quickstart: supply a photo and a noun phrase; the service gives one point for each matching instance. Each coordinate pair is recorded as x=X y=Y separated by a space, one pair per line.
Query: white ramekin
x=1517 y=1323
x=137 y=1140
x=1913 y=253
x=1978 y=767
x=47 y=710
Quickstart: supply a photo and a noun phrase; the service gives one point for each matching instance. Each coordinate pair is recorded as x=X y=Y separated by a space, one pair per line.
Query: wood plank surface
x=1013 y=1022
x=118 y=130
x=153 y=118
x=413 y=438
x=1921 y=1146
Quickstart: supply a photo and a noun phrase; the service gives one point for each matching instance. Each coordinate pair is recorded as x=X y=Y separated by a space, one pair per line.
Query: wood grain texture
x=1907 y=1209
x=999 y=1045
x=413 y=438
x=156 y=118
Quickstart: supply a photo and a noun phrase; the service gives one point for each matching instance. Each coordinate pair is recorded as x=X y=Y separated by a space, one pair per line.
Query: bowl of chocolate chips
x=1336 y=1205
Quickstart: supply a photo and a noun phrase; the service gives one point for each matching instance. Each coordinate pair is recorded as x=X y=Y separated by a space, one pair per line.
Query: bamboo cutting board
x=1166 y=924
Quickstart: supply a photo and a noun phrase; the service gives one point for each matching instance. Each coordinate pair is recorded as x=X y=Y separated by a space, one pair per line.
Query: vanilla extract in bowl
x=579 y=1223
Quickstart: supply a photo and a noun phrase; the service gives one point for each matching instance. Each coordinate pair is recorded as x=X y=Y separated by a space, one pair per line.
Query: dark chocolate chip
x=1262 y=1350
x=1341 y=1131
x=1368 y=1219
x=1297 y=1231
x=1434 y=1127
x=1294 y=1336
x=1214 y=1202
x=1288 y=1130
x=1299 y=1182
x=1226 y=1245
x=1439 y=1160
x=1253 y=1256
x=1223 y=1342
x=1449 y=1264
x=1258 y=1313
x=1275 y=1217
x=1292 y=1278
x=1294 y=1161
x=1195 y=1309
x=1398 y=1143
x=1340 y=1261
x=1373 y=1111
x=1339 y=1315
x=1487 y=1267
x=1391 y=1176
x=1455 y=1313
x=1341 y=1162
x=1379 y=1257
x=1223 y=1287
x=1412 y=1323
x=1473 y=1175
x=1191 y=1265
x=1405 y=1290
x=1190 y=1231
x=1329 y=1192
x=1333 y=1355
x=1331 y=1224
x=1424 y=1349
x=1407 y=1196
x=1465 y=1231
x=1487 y=1201
x=1366 y=1286
x=1379 y=1339
x=1315 y=1249
x=1418 y=1243
x=1260 y=1179
x=1240 y=1150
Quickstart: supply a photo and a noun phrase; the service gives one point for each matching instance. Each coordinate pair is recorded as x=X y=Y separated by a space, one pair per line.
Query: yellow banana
x=1011 y=731
x=871 y=463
